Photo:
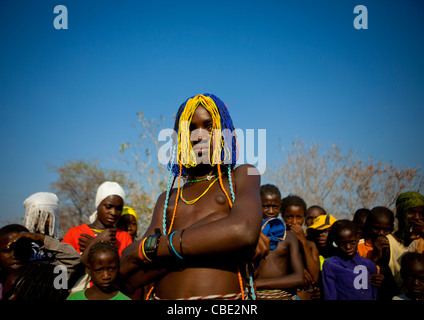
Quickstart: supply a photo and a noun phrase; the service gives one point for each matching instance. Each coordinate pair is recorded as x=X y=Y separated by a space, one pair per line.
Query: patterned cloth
x=275 y=230
x=275 y=294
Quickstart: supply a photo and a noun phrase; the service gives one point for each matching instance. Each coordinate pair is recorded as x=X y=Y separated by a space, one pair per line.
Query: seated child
x=412 y=272
x=103 y=268
x=345 y=275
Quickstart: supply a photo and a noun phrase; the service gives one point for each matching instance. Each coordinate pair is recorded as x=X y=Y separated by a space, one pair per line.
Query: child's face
x=312 y=215
x=110 y=210
x=8 y=261
x=294 y=215
x=128 y=223
x=415 y=214
x=380 y=226
x=321 y=237
x=414 y=279
x=347 y=243
x=103 y=269
x=271 y=205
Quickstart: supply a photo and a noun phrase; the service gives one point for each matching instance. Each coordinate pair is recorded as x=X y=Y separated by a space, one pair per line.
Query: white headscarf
x=105 y=190
x=38 y=208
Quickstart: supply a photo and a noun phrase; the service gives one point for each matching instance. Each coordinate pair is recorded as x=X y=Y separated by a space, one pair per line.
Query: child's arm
x=310 y=251
x=293 y=280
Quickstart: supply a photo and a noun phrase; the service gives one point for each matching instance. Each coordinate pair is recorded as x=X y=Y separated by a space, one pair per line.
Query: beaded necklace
x=204 y=192
x=203 y=179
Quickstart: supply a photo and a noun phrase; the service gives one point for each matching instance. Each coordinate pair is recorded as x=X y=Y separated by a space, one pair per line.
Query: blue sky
x=295 y=68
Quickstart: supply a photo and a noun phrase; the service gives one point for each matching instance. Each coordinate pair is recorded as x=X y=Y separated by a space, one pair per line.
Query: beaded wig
x=222 y=139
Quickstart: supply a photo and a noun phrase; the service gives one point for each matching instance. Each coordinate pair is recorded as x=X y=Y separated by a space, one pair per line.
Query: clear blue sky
x=295 y=68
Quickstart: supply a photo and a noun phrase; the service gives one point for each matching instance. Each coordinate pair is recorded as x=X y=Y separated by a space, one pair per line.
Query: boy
x=412 y=271
x=293 y=209
x=382 y=247
x=318 y=233
x=207 y=229
x=341 y=272
x=281 y=273
x=13 y=255
x=312 y=213
x=359 y=217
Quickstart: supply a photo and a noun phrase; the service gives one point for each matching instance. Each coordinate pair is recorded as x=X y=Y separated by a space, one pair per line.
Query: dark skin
x=294 y=217
x=217 y=238
x=311 y=215
x=271 y=205
x=273 y=272
x=380 y=227
x=108 y=213
x=413 y=276
x=103 y=270
x=416 y=220
x=9 y=262
x=128 y=223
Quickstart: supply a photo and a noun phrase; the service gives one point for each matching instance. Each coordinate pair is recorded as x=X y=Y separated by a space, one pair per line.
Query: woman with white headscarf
x=109 y=203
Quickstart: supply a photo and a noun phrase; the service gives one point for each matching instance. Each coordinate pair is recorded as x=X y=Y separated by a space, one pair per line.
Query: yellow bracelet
x=144 y=253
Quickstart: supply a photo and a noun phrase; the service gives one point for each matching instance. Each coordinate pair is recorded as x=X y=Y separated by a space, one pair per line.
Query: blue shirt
x=348 y=279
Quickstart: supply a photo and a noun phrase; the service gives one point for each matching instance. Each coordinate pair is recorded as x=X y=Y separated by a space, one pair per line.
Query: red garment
x=123 y=238
x=365 y=248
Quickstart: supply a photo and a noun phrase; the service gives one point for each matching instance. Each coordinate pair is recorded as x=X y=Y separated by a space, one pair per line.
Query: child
x=410 y=216
x=103 y=268
x=382 y=247
x=312 y=213
x=359 y=217
x=412 y=271
x=109 y=202
x=293 y=210
x=13 y=255
x=340 y=272
x=318 y=233
x=271 y=201
x=35 y=281
x=128 y=222
x=281 y=273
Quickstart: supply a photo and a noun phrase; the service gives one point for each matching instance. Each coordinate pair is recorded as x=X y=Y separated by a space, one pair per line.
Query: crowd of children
x=217 y=223
x=359 y=259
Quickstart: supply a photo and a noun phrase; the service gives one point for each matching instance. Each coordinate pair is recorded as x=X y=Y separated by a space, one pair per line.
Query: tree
x=340 y=181
x=76 y=188
x=141 y=158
